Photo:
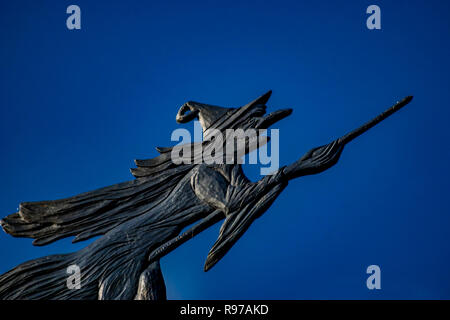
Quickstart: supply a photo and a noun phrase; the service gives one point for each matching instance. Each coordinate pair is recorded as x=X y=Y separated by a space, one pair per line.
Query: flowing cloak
x=112 y=264
x=136 y=219
x=140 y=220
x=97 y=212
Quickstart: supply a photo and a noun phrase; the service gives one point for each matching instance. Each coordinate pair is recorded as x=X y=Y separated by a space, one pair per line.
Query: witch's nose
x=186 y=113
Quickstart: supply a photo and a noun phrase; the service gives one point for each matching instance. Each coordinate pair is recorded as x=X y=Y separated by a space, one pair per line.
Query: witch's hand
x=316 y=160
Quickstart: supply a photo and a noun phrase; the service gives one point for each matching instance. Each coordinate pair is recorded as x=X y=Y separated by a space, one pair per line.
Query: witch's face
x=249 y=116
x=187 y=112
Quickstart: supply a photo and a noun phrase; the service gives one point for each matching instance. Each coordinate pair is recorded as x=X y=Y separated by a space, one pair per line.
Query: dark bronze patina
x=140 y=221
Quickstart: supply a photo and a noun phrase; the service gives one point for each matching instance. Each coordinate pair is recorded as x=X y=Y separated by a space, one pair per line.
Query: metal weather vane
x=140 y=221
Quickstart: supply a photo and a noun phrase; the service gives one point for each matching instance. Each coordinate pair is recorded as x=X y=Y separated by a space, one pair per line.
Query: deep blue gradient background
x=78 y=106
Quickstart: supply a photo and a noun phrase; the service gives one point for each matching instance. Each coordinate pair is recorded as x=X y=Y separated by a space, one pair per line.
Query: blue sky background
x=78 y=106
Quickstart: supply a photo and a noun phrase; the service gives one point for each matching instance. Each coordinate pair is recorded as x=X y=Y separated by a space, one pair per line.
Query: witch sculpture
x=140 y=221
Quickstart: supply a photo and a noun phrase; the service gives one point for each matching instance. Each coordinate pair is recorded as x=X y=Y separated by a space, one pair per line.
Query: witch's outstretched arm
x=321 y=158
